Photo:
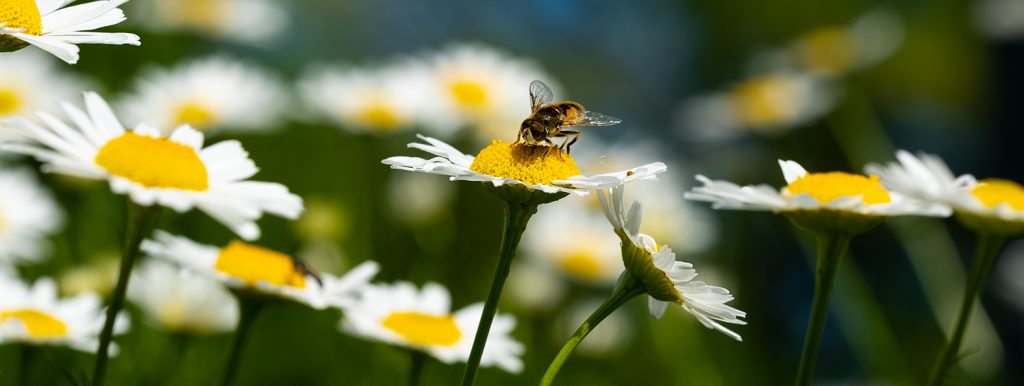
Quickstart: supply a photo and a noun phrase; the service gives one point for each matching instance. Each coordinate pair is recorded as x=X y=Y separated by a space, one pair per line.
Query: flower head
x=56 y=29
x=247 y=21
x=572 y=240
x=527 y=173
x=175 y=171
x=835 y=201
x=208 y=94
x=181 y=301
x=28 y=214
x=402 y=315
x=30 y=81
x=35 y=315
x=249 y=267
x=381 y=100
x=666 y=280
x=994 y=205
x=838 y=50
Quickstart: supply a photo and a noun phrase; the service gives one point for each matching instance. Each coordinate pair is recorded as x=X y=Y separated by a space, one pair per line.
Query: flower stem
x=249 y=308
x=831 y=248
x=28 y=353
x=626 y=290
x=416 y=361
x=985 y=255
x=141 y=220
x=516 y=217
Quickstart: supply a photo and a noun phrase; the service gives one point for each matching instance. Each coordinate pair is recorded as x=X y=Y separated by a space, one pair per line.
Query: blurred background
x=319 y=91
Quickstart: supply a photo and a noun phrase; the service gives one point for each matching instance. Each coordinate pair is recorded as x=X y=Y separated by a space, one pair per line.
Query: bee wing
x=540 y=95
x=591 y=118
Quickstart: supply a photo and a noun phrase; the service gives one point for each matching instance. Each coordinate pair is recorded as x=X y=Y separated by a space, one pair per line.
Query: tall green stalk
x=626 y=290
x=831 y=248
x=985 y=255
x=517 y=215
x=249 y=309
x=417 y=359
x=141 y=220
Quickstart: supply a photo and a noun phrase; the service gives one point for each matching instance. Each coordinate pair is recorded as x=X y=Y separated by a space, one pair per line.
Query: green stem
x=141 y=221
x=831 y=248
x=626 y=290
x=985 y=255
x=249 y=308
x=516 y=217
x=416 y=361
x=27 y=360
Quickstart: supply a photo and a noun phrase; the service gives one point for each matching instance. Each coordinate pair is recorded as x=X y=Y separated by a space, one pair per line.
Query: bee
x=549 y=119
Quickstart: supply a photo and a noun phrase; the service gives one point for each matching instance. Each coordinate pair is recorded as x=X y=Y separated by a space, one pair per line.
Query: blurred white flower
x=379 y=100
x=569 y=238
x=999 y=19
x=210 y=94
x=481 y=88
x=253 y=268
x=534 y=286
x=28 y=215
x=770 y=103
x=418 y=197
x=30 y=81
x=98 y=275
x=181 y=301
x=421 y=319
x=246 y=21
x=54 y=28
x=35 y=315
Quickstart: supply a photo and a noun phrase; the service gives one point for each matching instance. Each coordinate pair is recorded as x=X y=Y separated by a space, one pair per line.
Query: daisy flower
x=243 y=266
x=421 y=319
x=665 y=279
x=30 y=81
x=28 y=215
x=481 y=88
x=176 y=171
x=989 y=205
x=992 y=208
x=215 y=93
x=769 y=103
x=35 y=315
x=181 y=301
x=379 y=100
x=246 y=21
x=56 y=29
x=527 y=169
x=570 y=239
x=835 y=201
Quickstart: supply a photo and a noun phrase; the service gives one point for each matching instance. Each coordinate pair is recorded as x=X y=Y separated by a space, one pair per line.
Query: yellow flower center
x=826 y=187
x=583 y=265
x=39 y=324
x=424 y=329
x=768 y=100
x=194 y=114
x=828 y=50
x=534 y=165
x=153 y=162
x=379 y=116
x=10 y=103
x=469 y=93
x=21 y=14
x=253 y=264
x=204 y=14
x=994 y=192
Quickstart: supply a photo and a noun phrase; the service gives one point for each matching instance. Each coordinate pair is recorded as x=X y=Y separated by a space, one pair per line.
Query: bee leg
x=551 y=145
x=568 y=143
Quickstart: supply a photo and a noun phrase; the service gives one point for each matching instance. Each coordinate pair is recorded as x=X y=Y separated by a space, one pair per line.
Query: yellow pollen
x=535 y=165
x=39 y=324
x=768 y=100
x=828 y=50
x=583 y=265
x=469 y=93
x=153 y=162
x=379 y=116
x=21 y=14
x=424 y=329
x=994 y=192
x=194 y=114
x=10 y=103
x=826 y=187
x=253 y=264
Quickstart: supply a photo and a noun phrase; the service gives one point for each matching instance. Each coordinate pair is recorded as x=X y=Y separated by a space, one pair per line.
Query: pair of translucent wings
x=540 y=95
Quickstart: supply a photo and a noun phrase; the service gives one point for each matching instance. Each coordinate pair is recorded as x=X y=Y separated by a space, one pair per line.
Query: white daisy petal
x=58 y=28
